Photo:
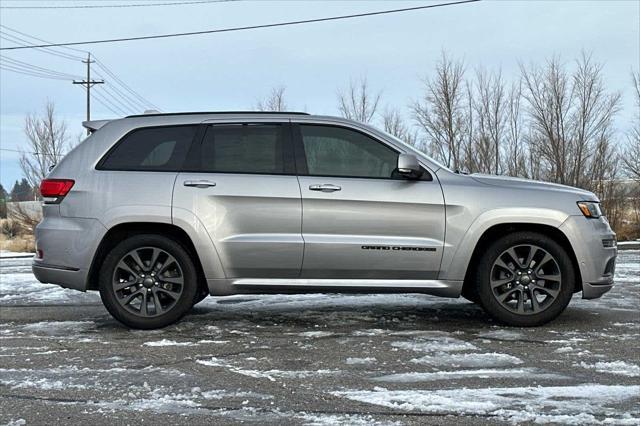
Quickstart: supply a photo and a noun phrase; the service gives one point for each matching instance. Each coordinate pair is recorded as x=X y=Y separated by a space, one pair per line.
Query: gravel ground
x=316 y=359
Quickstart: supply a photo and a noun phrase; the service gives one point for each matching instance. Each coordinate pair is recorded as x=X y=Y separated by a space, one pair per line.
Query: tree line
x=553 y=122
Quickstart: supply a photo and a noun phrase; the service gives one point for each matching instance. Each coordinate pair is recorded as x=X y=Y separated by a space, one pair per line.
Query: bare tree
x=358 y=102
x=47 y=143
x=515 y=160
x=274 y=102
x=632 y=154
x=441 y=112
x=395 y=125
x=571 y=121
x=487 y=120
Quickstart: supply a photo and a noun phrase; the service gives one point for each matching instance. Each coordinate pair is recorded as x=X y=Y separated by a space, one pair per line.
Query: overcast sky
x=233 y=70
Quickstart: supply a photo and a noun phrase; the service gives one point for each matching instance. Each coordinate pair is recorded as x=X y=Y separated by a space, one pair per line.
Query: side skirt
x=222 y=287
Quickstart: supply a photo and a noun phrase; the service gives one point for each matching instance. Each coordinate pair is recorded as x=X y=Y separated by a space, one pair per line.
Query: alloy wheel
x=148 y=281
x=525 y=279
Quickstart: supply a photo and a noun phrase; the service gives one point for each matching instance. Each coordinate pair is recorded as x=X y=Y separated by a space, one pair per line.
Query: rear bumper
x=595 y=260
x=68 y=246
x=62 y=276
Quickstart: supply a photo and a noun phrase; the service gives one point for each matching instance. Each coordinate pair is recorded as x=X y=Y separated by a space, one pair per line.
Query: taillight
x=54 y=190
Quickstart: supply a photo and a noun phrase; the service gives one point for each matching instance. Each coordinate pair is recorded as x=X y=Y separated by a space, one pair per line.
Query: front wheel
x=148 y=281
x=525 y=279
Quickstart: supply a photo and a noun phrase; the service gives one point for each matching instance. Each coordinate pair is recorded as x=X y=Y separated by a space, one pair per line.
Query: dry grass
x=25 y=242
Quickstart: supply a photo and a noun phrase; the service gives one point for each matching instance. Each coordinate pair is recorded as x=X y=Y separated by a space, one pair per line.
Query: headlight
x=590 y=209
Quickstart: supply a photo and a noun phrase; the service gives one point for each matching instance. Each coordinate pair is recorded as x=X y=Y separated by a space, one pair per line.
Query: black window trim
x=301 y=159
x=100 y=164
x=192 y=165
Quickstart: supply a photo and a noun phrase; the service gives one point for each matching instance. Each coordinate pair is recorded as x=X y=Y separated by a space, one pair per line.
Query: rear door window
x=244 y=148
x=151 y=149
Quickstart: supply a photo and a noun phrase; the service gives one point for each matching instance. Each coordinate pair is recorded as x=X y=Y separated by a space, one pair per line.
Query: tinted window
x=158 y=148
x=243 y=148
x=336 y=151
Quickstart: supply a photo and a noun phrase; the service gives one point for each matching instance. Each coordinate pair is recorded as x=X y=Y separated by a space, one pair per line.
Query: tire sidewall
x=181 y=307
x=485 y=293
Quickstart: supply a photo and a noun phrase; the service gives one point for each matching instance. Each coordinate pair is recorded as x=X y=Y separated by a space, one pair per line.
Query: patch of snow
x=619 y=368
x=563 y=350
x=486 y=373
x=166 y=342
x=315 y=334
x=271 y=375
x=360 y=361
x=342 y=420
x=516 y=404
x=502 y=335
x=471 y=360
x=57 y=328
x=16 y=422
x=446 y=344
x=8 y=254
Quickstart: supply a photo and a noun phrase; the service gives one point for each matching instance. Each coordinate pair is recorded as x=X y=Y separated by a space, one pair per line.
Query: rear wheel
x=525 y=279
x=148 y=281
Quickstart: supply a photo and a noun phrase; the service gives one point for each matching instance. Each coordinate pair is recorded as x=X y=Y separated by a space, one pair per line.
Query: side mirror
x=409 y=167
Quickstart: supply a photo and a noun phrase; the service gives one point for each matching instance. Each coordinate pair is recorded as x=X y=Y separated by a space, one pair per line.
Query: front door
x=244 y=192
x=361 y=219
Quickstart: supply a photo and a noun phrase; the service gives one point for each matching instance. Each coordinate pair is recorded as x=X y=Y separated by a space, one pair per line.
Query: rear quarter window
x=151 y=149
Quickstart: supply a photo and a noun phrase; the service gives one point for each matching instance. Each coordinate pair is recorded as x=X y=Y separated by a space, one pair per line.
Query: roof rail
x=155 y=114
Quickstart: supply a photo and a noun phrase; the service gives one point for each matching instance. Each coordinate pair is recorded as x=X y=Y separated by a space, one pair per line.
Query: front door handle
x=199 y=183
x=325 y=187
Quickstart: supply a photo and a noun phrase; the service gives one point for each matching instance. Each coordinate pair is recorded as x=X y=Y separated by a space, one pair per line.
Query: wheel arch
x=498 y=230
x=125 y=230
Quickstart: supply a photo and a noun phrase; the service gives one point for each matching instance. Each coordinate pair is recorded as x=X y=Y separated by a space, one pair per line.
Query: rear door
x=242 y=188
x=362 y=220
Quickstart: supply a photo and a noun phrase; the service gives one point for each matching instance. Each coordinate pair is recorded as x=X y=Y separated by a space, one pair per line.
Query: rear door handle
x=325 y=187
x=199 y=183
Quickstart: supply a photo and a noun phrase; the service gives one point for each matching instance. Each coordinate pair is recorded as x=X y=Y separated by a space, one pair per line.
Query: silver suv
x=158 y=211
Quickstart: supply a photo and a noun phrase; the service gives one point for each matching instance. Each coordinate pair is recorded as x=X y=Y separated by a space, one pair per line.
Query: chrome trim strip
x=322 y=282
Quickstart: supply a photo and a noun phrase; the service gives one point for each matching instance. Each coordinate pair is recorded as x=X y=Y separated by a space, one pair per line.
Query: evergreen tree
x=3 y=202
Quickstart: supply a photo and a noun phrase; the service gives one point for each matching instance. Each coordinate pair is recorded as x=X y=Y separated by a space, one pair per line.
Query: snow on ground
x=11 y=254
x=482 y=373
x=561 y=404
x=166 y=342
x=469 y=360
x=620 y=368
x=321 y=359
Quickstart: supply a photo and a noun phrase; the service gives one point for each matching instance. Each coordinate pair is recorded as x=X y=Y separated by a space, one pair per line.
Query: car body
x=295 y=218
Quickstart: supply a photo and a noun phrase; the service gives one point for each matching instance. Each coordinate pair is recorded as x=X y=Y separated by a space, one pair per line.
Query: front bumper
x=595 y=259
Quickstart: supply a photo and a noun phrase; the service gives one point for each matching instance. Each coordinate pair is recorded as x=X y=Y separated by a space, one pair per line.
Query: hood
x=520 y=183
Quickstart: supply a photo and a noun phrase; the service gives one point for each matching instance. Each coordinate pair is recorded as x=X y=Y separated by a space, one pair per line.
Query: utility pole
x=88 y=84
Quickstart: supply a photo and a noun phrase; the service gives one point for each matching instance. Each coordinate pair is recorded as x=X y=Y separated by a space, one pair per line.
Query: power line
x=84 y=52
x=8 y=67
x=21 y=42
x=113 y=6
x=32 y=152
x=250 y=27
x=132 y=99
x=144 y=101
x=30 y=67
x=121 y=105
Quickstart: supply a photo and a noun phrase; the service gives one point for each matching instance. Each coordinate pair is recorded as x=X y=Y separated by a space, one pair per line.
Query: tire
x=506 y=289
x=143 y=295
